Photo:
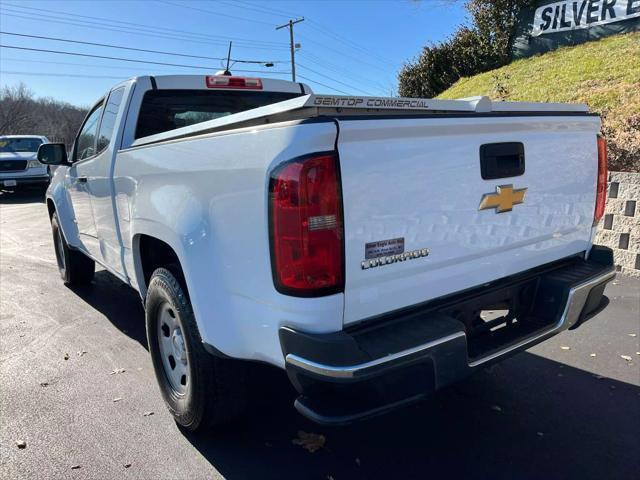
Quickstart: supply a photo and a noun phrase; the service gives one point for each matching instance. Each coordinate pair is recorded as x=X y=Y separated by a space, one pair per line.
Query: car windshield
x=19 y=144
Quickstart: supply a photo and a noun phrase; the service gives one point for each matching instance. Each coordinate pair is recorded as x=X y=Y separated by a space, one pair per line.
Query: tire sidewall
x=187 y=409
x=60 y=243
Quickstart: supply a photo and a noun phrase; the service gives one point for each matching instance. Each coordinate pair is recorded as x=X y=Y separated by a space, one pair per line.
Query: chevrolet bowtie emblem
x=503 y=200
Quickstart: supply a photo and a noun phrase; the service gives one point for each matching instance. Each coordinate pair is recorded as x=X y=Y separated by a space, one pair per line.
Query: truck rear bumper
x=401 y=358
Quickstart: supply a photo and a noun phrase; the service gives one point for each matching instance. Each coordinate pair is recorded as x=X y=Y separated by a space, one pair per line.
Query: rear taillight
x=307 y=252
x=223 y=81
x=601 y=191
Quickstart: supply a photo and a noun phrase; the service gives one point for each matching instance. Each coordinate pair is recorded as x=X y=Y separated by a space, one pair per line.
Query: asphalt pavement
x=77 y=386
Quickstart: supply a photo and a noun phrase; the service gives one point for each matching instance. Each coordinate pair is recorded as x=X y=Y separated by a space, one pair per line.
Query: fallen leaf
x=564 y=347
x=312 y=442
x=75 y=467
x=632 y=334
x=592 y=355
x=496 y=408
x=117 y=399
x=116 y=371
x=626 y=357
x=147 y=414
x=21 y=444
x=66 y=356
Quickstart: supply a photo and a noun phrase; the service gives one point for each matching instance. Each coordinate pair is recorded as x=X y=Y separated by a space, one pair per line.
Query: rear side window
x=164 y=110
x=109 y=119
x=86 y=143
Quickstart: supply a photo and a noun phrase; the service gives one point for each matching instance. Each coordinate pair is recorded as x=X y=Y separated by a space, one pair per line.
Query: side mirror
x=53 y=154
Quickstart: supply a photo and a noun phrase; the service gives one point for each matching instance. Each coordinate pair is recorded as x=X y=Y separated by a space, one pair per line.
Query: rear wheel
x=74 y=266
x=198 y=388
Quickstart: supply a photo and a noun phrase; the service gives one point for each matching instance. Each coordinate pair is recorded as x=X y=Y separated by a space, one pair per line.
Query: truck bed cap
x=316 y=105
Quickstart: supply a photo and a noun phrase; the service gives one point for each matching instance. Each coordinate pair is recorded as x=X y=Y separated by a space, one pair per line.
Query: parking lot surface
x=77 y=386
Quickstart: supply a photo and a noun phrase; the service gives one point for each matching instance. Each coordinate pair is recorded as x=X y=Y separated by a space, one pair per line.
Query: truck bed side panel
x=207 y=198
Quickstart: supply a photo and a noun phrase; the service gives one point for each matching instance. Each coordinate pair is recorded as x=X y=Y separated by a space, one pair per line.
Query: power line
x=332 y=79
x=317 y=27
x=323 y=84
x=347 y=41
x=331 y=67
x=99 y=26
x=139 y=25
x=214 y=13
x=129 y=68
x=140 y=29
x=129 y=59
x=138 y=49
x=342 y=53
x=269 y=11
x=314 y=24
x=45 y=74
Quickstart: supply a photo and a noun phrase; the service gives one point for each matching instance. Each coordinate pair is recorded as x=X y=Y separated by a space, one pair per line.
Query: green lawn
x=596 y=73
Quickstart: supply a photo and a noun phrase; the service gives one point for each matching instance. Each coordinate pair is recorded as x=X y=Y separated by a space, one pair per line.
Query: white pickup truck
x=378 y=249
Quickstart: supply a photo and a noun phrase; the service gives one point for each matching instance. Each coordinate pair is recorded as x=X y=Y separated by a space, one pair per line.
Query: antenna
x=226 y=70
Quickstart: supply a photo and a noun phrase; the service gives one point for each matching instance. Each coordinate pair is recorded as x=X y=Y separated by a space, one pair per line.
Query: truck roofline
x=198 y=82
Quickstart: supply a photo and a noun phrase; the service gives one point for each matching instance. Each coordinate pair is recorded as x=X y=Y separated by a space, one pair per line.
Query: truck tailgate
x=417 y=182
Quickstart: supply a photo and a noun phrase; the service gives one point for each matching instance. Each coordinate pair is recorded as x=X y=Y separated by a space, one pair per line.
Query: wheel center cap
x=178 y=346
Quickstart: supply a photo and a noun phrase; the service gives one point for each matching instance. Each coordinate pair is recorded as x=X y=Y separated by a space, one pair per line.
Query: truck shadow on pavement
x=527 y=417
x=127 y=314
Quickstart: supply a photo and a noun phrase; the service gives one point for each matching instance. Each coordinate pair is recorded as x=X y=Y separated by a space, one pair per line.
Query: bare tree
x=22 y=114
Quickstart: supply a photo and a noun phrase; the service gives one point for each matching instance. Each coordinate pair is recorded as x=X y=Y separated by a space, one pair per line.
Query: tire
x=74 y=266
x=198 y=388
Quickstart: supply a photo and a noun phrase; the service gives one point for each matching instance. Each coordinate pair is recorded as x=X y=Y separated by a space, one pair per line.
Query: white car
x=19 y=163
x=378 y=249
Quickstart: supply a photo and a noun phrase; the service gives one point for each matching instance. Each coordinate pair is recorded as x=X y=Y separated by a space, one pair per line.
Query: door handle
x=501 y=160
x=82 y=179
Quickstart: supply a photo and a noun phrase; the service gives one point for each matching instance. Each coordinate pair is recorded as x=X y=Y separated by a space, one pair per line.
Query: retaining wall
x=620 y=226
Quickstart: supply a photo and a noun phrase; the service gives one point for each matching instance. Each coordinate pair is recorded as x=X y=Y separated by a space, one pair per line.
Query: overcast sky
x=349 y=47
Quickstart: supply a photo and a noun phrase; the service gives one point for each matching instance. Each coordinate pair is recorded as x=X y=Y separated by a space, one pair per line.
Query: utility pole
x=290 y=25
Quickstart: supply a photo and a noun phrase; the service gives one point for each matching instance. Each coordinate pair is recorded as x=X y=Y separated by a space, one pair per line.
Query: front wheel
x=74 y=266
x=198 y=388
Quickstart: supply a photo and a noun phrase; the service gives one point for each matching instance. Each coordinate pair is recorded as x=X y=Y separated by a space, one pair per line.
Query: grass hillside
x=604 y=74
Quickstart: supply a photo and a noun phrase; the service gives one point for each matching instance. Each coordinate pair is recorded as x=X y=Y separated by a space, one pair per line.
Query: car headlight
x=33 y=164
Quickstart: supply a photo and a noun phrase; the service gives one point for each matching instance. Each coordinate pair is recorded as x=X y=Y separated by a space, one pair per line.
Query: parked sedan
x=19 y=161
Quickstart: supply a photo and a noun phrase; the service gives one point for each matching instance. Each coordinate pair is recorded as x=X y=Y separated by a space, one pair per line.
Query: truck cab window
x=86 y=143
x=109 y=119
x=164 y=110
